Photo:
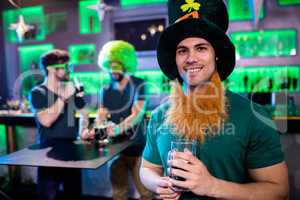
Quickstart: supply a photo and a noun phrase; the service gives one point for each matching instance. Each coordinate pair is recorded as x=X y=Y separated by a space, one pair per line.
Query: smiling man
x=238 y=154
x=195 y=55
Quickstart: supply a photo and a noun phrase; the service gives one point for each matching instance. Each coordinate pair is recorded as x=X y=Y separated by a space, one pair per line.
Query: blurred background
x=265 y=33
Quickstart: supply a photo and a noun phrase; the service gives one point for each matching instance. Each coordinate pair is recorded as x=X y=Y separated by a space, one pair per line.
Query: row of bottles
x=266 y=43
x=264 y=79
x=242 y=80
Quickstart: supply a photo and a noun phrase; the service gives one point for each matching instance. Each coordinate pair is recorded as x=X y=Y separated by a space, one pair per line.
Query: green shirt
x=248 y=140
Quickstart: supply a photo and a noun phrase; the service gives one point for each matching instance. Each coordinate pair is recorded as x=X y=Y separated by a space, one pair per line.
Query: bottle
x=78 y=85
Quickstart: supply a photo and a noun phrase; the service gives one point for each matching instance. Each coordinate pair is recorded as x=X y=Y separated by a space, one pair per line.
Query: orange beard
x=201 y=112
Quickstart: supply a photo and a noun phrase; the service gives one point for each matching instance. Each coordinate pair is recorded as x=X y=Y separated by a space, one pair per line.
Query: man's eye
x=181 y=51
x=201 y=48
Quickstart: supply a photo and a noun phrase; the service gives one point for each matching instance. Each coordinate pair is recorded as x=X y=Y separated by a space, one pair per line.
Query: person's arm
x=151 y=177
x=150 y=174
x=137 y=111
x=136 y=116
x=49 y=115
x=151 y=170
x=269 y=182
x=264 y=162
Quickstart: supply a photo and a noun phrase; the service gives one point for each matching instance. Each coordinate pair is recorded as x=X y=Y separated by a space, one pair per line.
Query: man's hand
x=102 y=114
x=80 y=94
x=198 y=179
x=110 y=130
x=164 y=191
x=87 y=134
x=113 y=130
x=67 y=90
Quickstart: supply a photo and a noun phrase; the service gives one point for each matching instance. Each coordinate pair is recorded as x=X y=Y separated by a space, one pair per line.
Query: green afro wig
x=118 y=51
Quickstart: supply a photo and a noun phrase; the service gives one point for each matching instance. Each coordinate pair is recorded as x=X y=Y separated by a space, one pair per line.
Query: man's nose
x=191 y=57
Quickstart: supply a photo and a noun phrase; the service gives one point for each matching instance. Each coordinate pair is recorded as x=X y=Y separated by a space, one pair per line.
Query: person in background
x=54 y=104
x=238 y=154
x=124 y=100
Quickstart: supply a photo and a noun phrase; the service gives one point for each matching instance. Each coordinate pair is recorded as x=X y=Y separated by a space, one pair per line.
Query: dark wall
x=3 y=85
x=277 y=17
x=61 y=39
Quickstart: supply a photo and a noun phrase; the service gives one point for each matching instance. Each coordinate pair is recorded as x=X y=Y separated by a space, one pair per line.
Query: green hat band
x=66 y=66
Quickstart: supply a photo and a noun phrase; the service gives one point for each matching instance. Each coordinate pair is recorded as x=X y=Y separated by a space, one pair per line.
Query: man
x=54 y=103
x=124 y=100
x=238 y=152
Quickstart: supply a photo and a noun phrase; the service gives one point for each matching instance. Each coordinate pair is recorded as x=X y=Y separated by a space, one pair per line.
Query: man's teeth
x=194 y=70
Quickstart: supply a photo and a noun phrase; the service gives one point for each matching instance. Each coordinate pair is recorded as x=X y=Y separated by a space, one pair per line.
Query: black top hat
x=207 y=19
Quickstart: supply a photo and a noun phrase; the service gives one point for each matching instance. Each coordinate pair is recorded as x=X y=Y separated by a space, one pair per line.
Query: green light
x=242 y=80
x=157 y=82
x=288 y=2
x=240 y=10
x=264 y=79
x=83 y=53
x=92 y=81
x=29 y=60
x=280 y=42
x=88 y=18
x=56 y=22
x=2 y=140
x=32 y=16
x=126 y=3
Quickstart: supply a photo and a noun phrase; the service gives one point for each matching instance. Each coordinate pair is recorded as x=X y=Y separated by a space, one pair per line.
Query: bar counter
x=285 y=124
x=65 y=154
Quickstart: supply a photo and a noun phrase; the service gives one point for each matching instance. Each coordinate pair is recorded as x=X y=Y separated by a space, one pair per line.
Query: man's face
x=195 y=59
x=63 y=73
x=116 y=71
